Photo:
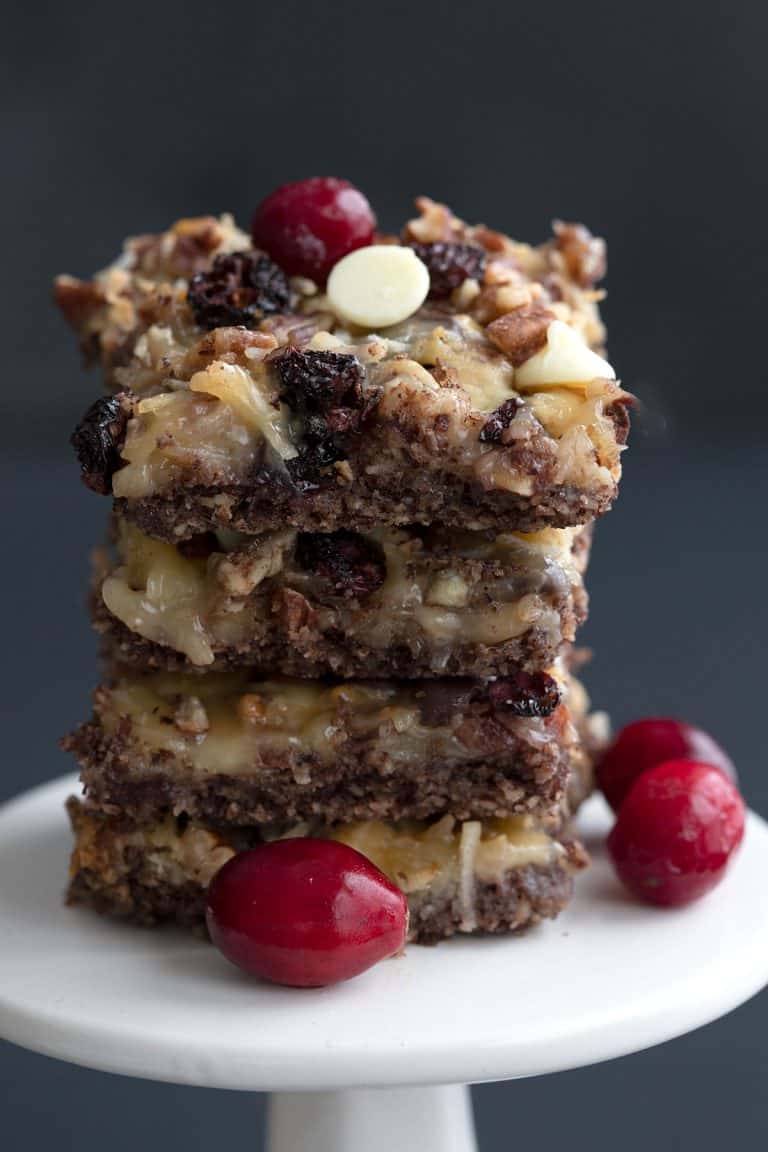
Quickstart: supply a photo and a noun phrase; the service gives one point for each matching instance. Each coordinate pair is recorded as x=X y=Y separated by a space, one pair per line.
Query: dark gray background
x=647 y=121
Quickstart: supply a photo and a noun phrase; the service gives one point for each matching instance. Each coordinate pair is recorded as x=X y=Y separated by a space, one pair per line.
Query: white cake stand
x=608 y=978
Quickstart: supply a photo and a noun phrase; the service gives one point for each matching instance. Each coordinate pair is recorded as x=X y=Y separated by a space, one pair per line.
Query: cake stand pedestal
x=349 y=1065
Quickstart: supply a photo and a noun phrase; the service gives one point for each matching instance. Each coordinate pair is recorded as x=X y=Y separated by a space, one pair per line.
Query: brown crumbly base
x=314 y=654
x=405 y=496
x=360 y=784
x=120 y=884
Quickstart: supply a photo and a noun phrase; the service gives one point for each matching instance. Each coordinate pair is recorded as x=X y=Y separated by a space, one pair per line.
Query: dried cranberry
x=241 y=288
x=450 y=265
x=307 y=469
x=320 y=381
x=352 y=564
x=97 y=441
x=525 y=694
x=309 y=225
x=499 y=420
x=326 y=391
x=677 y=829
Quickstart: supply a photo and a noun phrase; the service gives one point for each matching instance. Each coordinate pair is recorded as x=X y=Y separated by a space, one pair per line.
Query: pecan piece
x=583 y=253
x=240 y=288
x=97 y=441
x=499 y=420
x=78 y=300
x=449 y=265
x=525 y=694
x=293 y=609
x=352 y=564
x=521 y=333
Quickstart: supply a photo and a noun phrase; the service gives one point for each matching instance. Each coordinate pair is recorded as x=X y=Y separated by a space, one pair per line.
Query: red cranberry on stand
x=676 y=830
x=644 y=744
x=308 y=226
x=305 y=912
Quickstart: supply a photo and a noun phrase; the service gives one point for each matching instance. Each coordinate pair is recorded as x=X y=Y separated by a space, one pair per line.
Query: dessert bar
x=353 y=478
x=223 y=748
x=412 y=601
x=245 y=400
x=499 y=876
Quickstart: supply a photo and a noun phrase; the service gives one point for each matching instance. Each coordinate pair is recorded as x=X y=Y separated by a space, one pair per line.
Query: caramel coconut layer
x=498 y=876
x=486 y=407
x=224 y=748
x=415 y=602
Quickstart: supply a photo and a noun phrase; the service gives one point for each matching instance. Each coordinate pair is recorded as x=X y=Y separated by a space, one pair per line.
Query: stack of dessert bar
x=345 y=570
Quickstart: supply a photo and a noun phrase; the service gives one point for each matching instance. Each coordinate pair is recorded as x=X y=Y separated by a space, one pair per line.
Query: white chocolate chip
x=377 y=286
x=564 y=359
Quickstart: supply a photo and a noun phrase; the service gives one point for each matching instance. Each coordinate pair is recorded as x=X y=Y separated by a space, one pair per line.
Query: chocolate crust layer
x=523 y=899
x=338 y=655
x=121 y=882
x=361 y=783
x=401 y=497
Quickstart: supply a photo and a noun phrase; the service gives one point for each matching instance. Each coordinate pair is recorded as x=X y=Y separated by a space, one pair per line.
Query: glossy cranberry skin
x=677 y=829
x=644 y=744
x=308 y=226
x=305 y=912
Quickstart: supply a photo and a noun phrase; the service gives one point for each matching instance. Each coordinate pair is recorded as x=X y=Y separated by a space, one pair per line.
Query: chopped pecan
x=98 y=439
x=583 y=253
x=618 y=414
x=447 y=377
x=178 y=253
x=78 y=300
x=435 y=222
x=497 y=423
x=521 y=333
x=352 y=564
x=294 y=610
x=241 y=288
x=525 y=694
x=297 y=328
x=244 y=569
x=450 y=265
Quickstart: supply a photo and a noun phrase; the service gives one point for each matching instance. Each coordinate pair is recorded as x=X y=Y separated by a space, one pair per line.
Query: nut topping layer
x=312 y=419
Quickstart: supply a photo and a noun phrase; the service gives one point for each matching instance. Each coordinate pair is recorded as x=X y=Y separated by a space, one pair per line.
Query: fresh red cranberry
x=305 y=912
x=308 y=226
x=645 y=743
x=676 y=832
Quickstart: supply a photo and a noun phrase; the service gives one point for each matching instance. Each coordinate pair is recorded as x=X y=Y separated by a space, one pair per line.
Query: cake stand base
x=607 y=978
x=373 y=1120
